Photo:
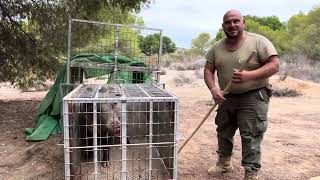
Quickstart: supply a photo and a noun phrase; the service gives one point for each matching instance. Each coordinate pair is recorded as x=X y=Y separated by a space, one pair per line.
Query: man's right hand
x=217 y=96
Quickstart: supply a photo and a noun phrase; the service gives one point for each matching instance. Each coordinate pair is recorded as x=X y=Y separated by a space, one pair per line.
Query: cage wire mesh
x=123 y=131
x=100 y=53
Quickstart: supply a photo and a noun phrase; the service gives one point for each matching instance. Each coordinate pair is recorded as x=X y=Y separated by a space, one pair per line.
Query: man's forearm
x=209 y=79
x=267 y=70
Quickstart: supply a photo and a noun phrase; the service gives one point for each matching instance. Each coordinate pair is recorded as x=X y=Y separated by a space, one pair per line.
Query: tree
x=220 y=34
x=33 y=34
x=305 y=30
x=202 y=43
x=168 y=46
x=150 y=44
x=272 y=22
x=279 y=37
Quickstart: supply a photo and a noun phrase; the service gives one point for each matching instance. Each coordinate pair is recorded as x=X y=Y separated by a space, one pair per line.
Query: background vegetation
x=297 y=42
x=33 y=38
x=33 y=33
x=150 y=44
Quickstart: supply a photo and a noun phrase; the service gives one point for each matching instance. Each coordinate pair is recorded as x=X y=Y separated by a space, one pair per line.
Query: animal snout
x=117 y=131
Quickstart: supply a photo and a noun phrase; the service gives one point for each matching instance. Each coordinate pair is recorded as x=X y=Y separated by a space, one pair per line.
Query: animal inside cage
x=100 y=53
x=120 y=131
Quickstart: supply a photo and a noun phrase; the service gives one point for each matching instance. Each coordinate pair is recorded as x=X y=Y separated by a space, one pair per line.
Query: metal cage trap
x=120 y=132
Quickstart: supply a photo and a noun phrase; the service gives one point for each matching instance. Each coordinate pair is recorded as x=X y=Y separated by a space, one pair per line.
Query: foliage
x=150 y=44
x=297 y=36
x=128 y=42
x=192 y=59
x=168 y=46
x=220 y=34
x=272 y=22
x=278 y=37
x=305 y=30
x=202 y=43
x=184 y=55
x=33 y=34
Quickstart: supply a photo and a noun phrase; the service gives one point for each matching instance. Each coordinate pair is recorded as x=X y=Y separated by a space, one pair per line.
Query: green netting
x=121 y=60
x=48 y=114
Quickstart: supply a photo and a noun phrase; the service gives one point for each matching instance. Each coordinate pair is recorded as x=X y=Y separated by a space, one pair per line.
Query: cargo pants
x=248 y=112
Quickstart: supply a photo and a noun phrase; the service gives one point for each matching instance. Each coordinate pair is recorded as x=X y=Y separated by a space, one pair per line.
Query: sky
x=184 y=20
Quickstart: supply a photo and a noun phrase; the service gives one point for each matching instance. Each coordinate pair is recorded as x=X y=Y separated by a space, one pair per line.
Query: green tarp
x=48 y=115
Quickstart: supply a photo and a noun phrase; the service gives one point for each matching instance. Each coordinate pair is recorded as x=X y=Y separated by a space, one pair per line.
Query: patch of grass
x=285 y=92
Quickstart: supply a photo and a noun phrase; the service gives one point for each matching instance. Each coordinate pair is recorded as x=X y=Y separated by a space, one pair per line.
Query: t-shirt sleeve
x=210 y=56
x=265 y=49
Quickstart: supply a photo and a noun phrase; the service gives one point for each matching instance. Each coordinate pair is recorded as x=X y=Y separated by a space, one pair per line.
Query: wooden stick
x=215 y=104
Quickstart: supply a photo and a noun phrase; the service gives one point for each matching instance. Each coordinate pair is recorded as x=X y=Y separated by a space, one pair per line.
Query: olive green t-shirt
x=226 y=60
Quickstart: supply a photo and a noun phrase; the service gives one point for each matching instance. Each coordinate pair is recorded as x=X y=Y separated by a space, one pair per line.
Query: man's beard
x=232 y=37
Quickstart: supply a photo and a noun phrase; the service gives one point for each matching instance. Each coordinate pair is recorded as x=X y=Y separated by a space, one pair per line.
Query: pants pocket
x=262 y=118
x=262 y=124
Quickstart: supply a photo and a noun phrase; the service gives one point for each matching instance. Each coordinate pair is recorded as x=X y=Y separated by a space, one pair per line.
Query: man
x=245 y=106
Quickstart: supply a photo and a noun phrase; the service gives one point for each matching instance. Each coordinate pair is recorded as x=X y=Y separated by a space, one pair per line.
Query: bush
x=300 y=67
x=178 y=66
x=199 y=64
x=199 y=73
x=166 y=61
x=181 y=79
x=188 y=65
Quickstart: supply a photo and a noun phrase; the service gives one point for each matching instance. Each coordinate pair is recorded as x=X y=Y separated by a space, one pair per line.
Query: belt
x=245 y=93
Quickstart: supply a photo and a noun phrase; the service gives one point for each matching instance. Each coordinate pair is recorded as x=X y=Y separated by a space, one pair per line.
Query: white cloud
x=182 y=20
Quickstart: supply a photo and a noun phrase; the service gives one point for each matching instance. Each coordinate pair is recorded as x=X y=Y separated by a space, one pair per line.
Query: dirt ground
x=290 y=147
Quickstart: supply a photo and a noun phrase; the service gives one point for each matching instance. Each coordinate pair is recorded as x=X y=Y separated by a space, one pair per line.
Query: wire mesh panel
x=99 y=52
x=118 y=131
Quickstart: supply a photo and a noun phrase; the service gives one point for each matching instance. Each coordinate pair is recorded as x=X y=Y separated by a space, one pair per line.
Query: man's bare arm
x=209 y=79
